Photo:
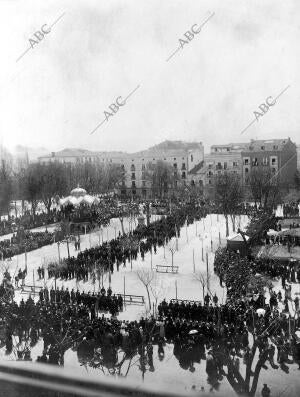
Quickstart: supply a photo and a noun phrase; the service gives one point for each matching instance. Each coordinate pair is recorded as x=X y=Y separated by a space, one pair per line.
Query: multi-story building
x=221 y=158
x=280 y=155
x=181 y=156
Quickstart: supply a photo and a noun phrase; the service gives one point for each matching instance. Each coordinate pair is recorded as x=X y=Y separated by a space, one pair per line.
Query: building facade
x=221 y=158
x=182 y=157
x=279 y=155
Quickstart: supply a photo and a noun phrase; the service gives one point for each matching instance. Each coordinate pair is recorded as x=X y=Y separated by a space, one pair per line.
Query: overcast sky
x=56 y=94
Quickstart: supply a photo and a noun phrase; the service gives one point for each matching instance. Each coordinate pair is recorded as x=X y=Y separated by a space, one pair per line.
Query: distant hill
x=174 y=145
x=167 y=146
x=32 y=154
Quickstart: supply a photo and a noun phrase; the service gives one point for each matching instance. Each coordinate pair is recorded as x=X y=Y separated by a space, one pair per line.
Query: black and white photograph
x=149 y=198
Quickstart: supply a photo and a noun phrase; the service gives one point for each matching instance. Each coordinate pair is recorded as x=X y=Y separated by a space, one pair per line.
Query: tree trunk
x=122 y=224
x=227 y=226
x=233 y=222
x=33 y=208
x=48 y=205
x=149 y=300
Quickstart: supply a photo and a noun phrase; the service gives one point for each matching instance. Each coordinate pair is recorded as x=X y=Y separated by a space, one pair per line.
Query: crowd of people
x=101 y=301
x=224 y=335
x=29 y=221
x=25 y=241
x=218 y=334
x=109 y=256
x=290 y=210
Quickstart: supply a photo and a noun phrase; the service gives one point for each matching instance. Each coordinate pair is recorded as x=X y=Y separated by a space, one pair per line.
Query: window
x=209 y=181
x=225 y=165
x=133 y=184
x=273 y=161
x=143 y=167
x=133 y=191
x=183 y=176
x=228 y=149
x=175 y=165
x=246 y=170
x=132 y=167
x=174 y=158
x=144 y=183
x=201 y=182
x=183 y=166
x=273 y=170
x=216 y=149
x=192 y=158
x=133 y=175
x=246 y=161
x=262 y=148
x=234 y=164
x=275 y=147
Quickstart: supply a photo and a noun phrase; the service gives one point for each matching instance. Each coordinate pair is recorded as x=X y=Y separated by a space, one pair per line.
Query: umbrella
x=272 y=233
x=193 y=332
x=261 y=312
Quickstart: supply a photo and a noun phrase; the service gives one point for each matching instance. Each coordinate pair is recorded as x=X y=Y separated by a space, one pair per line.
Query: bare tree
x=228 y=195
x=172 y=249
x=264 y=186
x=204 y=279
x=161 y=177
x=158 y=290
x=146 y=276
x=6 y=188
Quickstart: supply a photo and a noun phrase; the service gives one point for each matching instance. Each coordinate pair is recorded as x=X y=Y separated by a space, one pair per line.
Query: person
x=206 y=299
x=215 y=299
x=265 y=391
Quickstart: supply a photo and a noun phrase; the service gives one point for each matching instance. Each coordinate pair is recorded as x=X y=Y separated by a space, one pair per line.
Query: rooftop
x=267 y=144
